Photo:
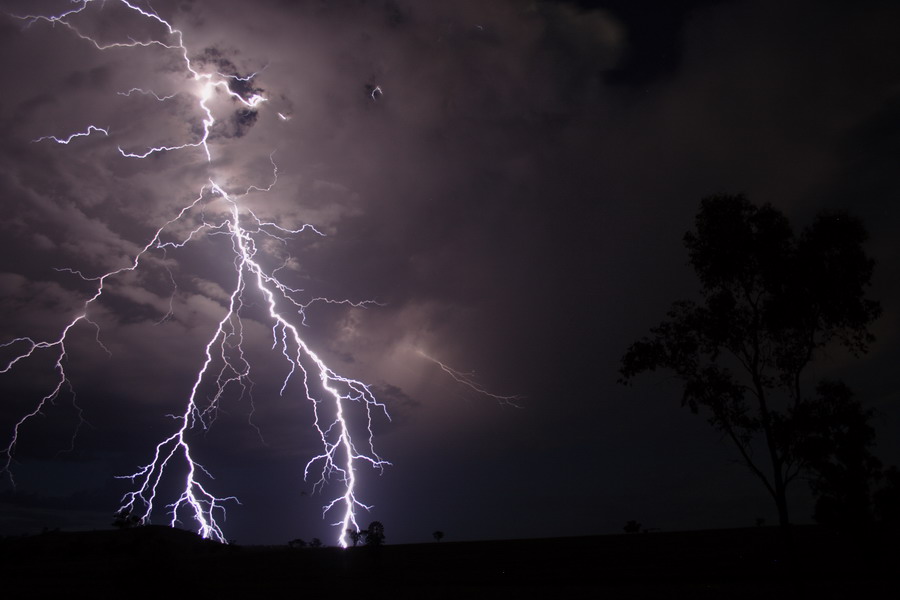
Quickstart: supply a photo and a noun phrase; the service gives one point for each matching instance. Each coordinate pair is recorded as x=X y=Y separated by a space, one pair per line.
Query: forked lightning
x=333 y=398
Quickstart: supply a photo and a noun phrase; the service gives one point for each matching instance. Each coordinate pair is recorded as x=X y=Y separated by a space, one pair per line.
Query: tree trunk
x=778 y=483
x=784 y=522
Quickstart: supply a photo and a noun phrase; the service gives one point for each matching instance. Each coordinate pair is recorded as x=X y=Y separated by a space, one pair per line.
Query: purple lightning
x=91 y=129
x=468 y=380
x=331 y=396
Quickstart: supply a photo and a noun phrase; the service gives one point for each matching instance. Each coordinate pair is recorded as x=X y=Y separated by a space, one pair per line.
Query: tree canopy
x=374 y=534
x=771 y=300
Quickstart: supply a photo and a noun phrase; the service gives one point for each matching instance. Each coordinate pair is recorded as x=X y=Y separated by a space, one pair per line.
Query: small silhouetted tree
x=315 y=543
x=632 y=527
x=771 y=301
x=887 y=498
x=354 y=535
x=438 y=535
x=125 y=519
x=297 y=543
x=374 y=534
x=836 y=451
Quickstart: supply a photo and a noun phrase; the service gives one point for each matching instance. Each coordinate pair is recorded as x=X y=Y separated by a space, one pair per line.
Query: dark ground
x=736 y=563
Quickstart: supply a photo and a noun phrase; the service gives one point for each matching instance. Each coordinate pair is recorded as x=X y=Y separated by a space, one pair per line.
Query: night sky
x=514 y=200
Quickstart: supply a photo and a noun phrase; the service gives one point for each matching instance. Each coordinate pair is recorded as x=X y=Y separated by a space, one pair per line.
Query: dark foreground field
x=737 y=563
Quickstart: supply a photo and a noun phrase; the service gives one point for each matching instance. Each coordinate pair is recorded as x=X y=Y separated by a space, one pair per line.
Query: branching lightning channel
x=468 y=380
x=333 y=397
x=65 y=141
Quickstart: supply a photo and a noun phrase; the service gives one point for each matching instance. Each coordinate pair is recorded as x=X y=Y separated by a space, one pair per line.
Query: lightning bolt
x=333 y=397
x=65 y=141
x=468 y=380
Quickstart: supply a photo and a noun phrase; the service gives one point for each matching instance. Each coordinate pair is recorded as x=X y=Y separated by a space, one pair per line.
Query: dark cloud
x=652 y=36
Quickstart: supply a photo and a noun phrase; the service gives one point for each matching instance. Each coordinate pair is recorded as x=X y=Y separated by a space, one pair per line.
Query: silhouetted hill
x=738 y=563
x=137 y=542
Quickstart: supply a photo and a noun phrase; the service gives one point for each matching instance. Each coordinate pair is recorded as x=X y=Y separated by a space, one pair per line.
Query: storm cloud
x=513 y=200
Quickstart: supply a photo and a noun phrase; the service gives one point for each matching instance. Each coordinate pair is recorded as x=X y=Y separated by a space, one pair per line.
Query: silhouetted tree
x=632 y=527
x=438 y=535
x=125 y=520
x=354 y=535
x=770 y=301
x=374 y=534
x=887 y=499
x=835 y=449
x=315 y=543
x=297 y=543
